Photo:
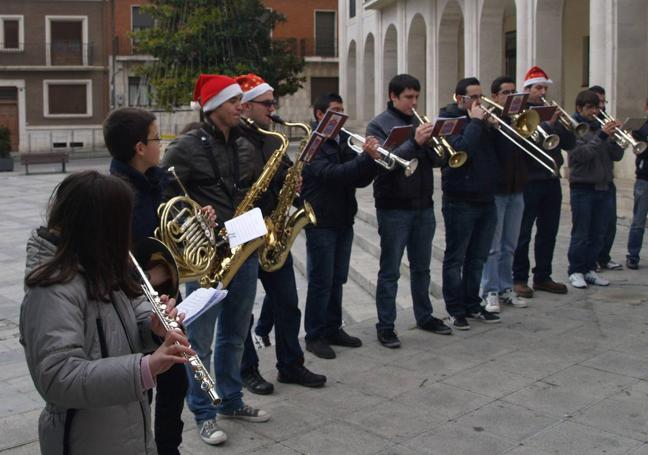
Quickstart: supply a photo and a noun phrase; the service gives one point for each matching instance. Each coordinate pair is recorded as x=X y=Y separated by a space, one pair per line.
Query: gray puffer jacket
x=84 y=358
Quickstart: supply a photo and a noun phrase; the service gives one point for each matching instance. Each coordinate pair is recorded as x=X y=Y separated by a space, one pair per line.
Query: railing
x=61 y=53
x=310 y=47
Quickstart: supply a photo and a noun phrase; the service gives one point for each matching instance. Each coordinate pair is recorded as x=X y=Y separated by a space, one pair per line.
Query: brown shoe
x=522 y=290
x=550 y=286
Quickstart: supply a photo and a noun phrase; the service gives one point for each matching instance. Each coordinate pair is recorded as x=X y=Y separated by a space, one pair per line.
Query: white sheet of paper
x=200 y=301
x=245 y=227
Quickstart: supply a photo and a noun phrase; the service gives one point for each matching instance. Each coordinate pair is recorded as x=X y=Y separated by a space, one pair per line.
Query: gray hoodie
x=84 y=358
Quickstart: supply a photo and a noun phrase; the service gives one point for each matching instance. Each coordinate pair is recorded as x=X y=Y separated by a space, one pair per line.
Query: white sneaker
x=211 y=434
x=592 y=278
x=492 y=303
x=577 y=280
x=509 y=297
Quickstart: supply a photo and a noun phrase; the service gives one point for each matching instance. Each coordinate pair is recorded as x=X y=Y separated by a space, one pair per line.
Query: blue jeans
x=280 y=287
x=469 y=233
x=610 y=230
x=231 y=319
x=542 y=203
x=639 y=213
x=498 y=270
x=266 y=318
x=589 y=223
x=327 y=264
x=400 y=229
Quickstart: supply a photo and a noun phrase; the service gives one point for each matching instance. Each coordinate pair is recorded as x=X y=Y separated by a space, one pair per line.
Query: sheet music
x=245 y=227
x=199 y=301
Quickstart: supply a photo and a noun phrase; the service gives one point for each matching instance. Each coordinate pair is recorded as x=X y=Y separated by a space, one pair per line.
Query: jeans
x=542 y=203
x=281 y=290
x=169 y=400
x=469 y=234
x=266 y=318
x=399 y=229
x=610 y=231
x=639 y=213
x=498 y=270
x=327 y=265
x=231 y=319
x=589 y=223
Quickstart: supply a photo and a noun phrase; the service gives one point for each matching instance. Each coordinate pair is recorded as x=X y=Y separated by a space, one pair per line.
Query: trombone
x=525 y=125
x=621 y=136
x=388 y=160
x=441 y=145
x=579 y=129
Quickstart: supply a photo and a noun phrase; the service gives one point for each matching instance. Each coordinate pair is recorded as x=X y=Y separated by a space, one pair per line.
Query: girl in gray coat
x=84 y=328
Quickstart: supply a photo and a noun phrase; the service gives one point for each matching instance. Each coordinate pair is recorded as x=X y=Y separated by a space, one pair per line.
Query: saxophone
x=225 y=266
x=283 y=228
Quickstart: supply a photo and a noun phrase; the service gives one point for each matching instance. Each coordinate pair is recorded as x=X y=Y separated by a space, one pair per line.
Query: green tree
x=214 y=36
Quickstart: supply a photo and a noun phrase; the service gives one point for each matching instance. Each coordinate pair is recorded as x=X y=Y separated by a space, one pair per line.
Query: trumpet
x=200 y=373
x=546 y=140
x=526 y=124
x=388 y=159
x=622 y=137
x=441 y=146
x=579 y=129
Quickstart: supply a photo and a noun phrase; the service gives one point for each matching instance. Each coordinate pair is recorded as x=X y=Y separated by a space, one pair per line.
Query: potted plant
x=6 y=161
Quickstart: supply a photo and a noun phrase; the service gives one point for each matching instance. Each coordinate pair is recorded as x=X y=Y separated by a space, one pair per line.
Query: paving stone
x=622 y=417
x=620 y=363
x=452 y=439
x=338 y=438
x=488 y=379
x=445 y=399
x=18 y=429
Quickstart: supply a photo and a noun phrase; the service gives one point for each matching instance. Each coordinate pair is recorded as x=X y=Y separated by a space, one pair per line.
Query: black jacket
x=567 y=142
x=148 y=196
x=642 y=160
x=476 y=180
x=237 y=163
x=392 y=190
x=330 y=181
x=512 y=164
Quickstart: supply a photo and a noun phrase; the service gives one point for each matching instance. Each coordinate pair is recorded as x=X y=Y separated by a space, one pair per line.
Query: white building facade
x=579 y=43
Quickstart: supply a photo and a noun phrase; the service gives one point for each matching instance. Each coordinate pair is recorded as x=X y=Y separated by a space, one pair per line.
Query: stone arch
x=351 y=93
x=450 y=51
x=496 y=20
x=390 y=56
x=369 y=86
x=416 y=55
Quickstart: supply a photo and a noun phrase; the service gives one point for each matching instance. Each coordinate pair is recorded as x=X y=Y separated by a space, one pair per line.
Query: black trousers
x=169 y=401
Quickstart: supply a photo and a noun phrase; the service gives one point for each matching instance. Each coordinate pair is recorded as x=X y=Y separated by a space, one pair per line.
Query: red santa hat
x=212 y=90
x=252 y=86
x=536 y=75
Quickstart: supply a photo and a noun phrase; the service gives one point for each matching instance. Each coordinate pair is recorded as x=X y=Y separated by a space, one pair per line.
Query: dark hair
x=597 y=89
x=90 y=214
x=124 y=128
x=587 y=97
x=496 y=86
x=463 y=84
x=323 y=102
x=190 y=127
x=402 y=82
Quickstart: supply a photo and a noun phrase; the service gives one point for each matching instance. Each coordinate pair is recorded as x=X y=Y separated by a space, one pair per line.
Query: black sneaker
x=436 y=326
x=341 y=338
x=632 y=264
x=254 y=382
x=484 y=316
x=389 y=339
x=460 y=323
x=302 y=376
x=321 y=349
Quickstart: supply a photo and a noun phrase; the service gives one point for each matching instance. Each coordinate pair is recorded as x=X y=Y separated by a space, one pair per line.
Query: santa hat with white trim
x=212 y=90
x=252 y=86
x=536 y=75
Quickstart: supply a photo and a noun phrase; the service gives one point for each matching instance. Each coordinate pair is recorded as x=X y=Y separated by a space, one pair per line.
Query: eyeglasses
x=266 y=103
x=472 y=97
x=152 y=139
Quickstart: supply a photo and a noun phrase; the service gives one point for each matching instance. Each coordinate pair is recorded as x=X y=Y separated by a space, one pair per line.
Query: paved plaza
x=567 y=375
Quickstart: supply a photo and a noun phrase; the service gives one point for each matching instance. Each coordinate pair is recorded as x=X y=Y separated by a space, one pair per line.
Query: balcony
x=56 y=55
x=377 y=4
x=312 y=49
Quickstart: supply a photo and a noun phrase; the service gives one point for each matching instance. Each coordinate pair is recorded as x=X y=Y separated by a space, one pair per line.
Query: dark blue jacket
x=148 y=196
x=642 y=160
x=392 y=189
x=476 y=180
x=330 y=181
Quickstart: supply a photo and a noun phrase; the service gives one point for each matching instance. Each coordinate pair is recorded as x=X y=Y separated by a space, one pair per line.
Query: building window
x=138 y=92
x=67 y=98
x=140 y=20
x=12 y=33
x=325 y=33
x=322 y=85
x=510 y=53
x=586 y=62
x=67 y=40
x=352 y=9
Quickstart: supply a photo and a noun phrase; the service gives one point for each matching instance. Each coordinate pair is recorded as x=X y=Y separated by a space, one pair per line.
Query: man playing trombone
x=405 y=213
x=542 y=198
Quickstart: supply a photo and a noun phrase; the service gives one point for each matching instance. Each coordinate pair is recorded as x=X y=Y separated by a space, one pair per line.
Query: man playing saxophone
x=208 y=162
x=280 y=285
